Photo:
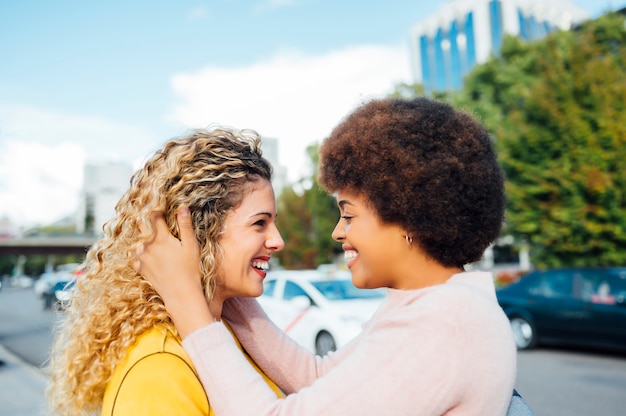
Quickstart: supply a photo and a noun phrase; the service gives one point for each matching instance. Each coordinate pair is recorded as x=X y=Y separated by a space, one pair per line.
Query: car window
x=292 y=290
x=603 y=285
x=608 y=287
x=595 y=286
x=553 y=284
x=617 y=280
x=269 y=287
x=344 y=289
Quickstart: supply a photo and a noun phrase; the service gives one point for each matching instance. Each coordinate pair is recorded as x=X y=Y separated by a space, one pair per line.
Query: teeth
x=260 y=264
x=350 y=254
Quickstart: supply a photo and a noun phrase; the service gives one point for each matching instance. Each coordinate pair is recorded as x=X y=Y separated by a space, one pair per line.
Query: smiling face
x=373 y=249
x=377 y=252
x=249 y=238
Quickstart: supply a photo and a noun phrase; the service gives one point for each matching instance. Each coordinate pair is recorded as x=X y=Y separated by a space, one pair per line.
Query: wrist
x=190 y=314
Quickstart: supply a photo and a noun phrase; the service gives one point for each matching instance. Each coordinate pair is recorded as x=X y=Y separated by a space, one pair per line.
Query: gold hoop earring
x=409 y=240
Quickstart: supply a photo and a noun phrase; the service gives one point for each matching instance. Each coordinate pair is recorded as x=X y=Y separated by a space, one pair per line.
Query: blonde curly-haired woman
x=117 y=351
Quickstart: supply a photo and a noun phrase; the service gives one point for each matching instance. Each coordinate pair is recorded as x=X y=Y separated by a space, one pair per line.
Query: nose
x=339 y=232
x=275 y=241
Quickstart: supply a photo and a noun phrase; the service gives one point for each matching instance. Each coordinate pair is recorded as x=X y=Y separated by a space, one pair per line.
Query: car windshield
x=344 y=289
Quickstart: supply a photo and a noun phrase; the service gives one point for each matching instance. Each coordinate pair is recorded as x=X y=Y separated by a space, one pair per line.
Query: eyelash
x=347 y=218
x=260 y=223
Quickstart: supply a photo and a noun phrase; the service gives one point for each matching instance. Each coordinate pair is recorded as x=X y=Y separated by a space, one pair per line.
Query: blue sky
x=111 y=81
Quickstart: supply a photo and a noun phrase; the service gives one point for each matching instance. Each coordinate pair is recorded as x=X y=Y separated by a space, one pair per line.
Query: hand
x=173 y=268
x=169 y=263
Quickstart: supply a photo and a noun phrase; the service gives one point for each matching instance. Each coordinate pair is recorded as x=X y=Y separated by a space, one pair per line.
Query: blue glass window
x=523 y=30
x=426 y=62
x=470 y=39
x=440 y=74
x=495 y=18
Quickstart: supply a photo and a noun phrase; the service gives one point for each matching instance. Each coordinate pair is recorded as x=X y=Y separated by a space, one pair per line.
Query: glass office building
x=464 y=33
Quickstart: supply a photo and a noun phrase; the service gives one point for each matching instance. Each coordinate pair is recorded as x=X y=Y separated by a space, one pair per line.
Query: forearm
x=287 y=363
x=360 y=385
x=189 y=311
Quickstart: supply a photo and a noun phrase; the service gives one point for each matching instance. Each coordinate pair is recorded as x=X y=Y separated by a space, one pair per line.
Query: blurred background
x=88 y=90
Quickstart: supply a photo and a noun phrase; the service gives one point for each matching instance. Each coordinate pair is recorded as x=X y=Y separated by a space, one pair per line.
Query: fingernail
x=184 y=212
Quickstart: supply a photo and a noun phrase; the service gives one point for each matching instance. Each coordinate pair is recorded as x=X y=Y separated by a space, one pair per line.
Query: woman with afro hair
x=420 y=195
x=117 y=352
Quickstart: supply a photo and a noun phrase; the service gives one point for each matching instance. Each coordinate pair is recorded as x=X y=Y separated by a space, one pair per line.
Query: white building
x=464 y=33
x=269 y=146
x=7 y=229
x=103 y=185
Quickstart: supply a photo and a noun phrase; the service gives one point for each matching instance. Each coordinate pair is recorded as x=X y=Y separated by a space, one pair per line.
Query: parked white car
x=45 y=283
x=51 y=286
x=321 y=310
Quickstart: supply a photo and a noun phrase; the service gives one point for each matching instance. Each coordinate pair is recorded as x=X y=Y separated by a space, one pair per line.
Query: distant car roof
x=311 y=274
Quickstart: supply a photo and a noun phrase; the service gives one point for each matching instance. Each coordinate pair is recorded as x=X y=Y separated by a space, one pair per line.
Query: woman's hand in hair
x=172 y=267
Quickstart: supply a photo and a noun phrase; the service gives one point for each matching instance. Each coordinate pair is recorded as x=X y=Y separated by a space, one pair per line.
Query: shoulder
x=456 y=329
x=157 y=340
x=466 y=302
x=156 y=370
x=463 y=287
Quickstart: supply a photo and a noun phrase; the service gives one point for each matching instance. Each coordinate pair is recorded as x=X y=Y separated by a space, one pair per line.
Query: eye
x=260 y=223
x=347 y=218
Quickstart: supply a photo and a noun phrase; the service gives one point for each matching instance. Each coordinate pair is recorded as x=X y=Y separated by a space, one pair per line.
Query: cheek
x=231 y=264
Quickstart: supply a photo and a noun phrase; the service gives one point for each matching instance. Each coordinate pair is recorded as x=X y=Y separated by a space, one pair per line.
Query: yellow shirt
x=157 y=378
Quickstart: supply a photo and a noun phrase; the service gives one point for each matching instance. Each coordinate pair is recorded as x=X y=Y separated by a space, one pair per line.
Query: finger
x=136 y=263
x=159 y=225
x=187 y=235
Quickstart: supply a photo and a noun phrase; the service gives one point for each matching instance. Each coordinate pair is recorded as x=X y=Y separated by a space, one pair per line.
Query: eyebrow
x=344 y=202
x=266 y=214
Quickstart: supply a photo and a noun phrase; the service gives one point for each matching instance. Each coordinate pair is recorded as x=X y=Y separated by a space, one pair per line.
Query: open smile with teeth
x=261 y=264
x=350 y=254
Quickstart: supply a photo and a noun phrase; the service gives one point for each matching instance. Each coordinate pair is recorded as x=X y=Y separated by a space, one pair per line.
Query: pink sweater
x=441 y=350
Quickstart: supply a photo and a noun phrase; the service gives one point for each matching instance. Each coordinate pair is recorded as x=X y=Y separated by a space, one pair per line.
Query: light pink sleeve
x=286 y=362
x=445 y=357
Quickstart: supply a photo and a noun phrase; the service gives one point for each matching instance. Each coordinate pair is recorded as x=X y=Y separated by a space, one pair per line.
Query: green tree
x=306 y=220
x=563 y=148
x=557 y=111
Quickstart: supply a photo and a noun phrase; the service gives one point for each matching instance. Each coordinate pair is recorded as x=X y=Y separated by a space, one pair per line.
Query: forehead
x=257 y=195
x=347 y=198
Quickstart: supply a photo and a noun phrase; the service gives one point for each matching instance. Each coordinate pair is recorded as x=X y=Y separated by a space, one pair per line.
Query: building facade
x=105 y=183
x=270 y=146
x=103 y=186
x=464 y=33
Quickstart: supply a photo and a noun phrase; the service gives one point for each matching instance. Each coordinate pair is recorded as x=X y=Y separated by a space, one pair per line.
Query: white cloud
x=197 y=13
x=40 y=183
x=42 y=157
x=295 y=98
x=268 y=5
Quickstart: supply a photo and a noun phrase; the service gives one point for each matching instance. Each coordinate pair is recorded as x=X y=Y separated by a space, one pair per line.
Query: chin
x=359 y=283
x=255 y=293
x=362 y=282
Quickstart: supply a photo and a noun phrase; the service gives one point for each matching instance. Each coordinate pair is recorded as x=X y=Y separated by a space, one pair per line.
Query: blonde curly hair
x=206 y=170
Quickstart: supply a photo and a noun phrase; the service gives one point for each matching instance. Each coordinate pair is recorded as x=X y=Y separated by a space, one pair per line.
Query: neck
x=216 y=307
x=421 y=271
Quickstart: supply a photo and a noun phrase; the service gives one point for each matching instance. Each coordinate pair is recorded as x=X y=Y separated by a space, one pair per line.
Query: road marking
x=295 y=320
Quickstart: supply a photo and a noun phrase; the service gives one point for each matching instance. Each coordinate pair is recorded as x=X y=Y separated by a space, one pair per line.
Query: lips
x=350 y=254
x=261 y=265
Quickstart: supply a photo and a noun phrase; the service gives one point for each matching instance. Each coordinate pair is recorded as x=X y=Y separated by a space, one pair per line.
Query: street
x=572 y=382
x=25 y=328
x=552 y=381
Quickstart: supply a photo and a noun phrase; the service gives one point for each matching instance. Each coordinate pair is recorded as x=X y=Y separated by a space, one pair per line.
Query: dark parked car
x=577 y=307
